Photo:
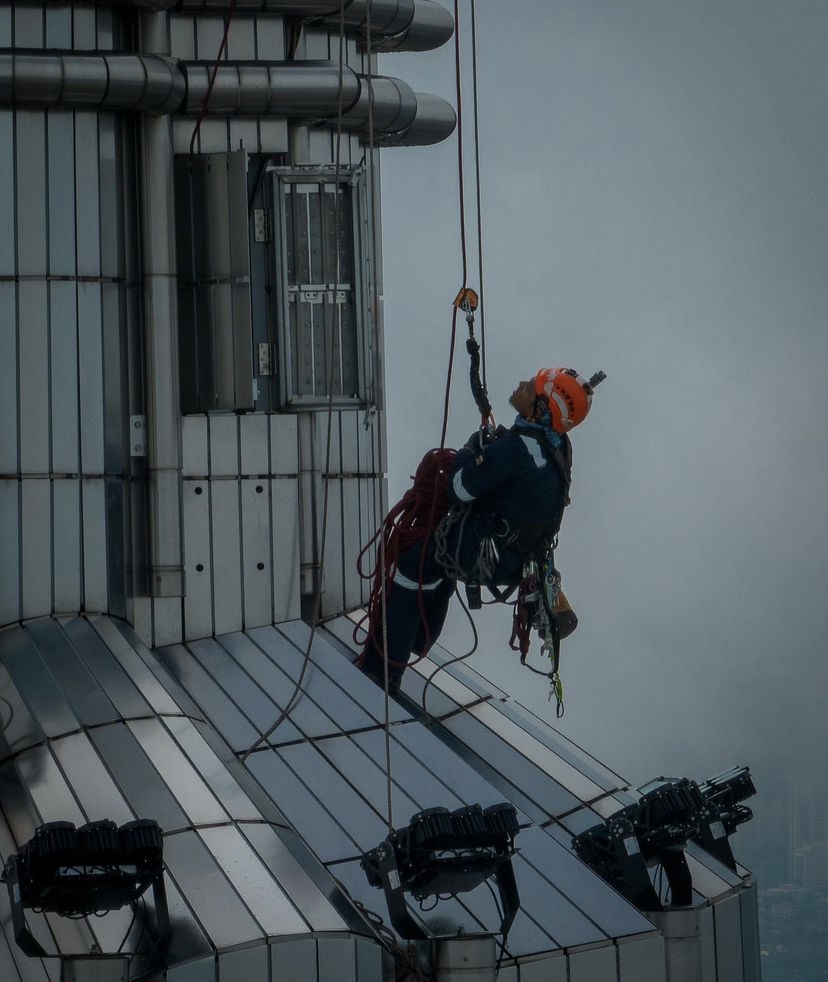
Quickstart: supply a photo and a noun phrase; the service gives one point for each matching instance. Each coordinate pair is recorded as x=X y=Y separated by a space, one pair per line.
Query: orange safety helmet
x=567 y=394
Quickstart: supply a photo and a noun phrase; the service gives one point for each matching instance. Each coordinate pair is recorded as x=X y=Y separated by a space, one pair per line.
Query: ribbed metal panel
x=95 y=728
x=240 y=522
x=63 y=376
x=324 y=767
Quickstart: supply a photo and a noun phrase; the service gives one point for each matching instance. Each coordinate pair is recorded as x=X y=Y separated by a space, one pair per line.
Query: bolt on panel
x=256 y=551
x=198 y=567
x=226 y=555
x=284 y=499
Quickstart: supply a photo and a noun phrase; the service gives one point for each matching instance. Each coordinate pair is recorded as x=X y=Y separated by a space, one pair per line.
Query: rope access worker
x=509 y=493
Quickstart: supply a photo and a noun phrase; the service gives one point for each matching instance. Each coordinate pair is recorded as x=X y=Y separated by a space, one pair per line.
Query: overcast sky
x=654 y=204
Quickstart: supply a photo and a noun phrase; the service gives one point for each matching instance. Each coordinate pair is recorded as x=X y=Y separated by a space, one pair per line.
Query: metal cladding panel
x=642 y=960
x=294 y=961
x=614 y=915
x=751 y=950
x=89 y=703
x=201 y=970
x=284 y=501
x=552 y=969
x=30 y=146
x=195 y=448
x=90 y=781
x=87 y=185
x=327 y=774
x=256 y=552
x=727 y=916
x=710 y=877
x=35 y=546
x=593 y=965
x=200 y=878
x=210 y=697
x=95 y=565
x=33 y=355
x=253 y=882
x=255 y=687
x=61 y=192
x=226 y=555
x=231 y=871
x=9 y=437
x=244 y=963
x=288 y=871
x=90 y=377
x=65 y=403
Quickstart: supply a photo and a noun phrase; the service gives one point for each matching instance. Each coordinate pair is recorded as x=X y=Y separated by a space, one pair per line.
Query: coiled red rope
x=414 y=517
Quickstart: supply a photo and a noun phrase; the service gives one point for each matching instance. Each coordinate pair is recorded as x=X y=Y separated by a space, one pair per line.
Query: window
x=272 y=285
x=321 y=311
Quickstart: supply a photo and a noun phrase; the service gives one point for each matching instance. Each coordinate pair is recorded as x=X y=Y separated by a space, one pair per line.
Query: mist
x=653 y=205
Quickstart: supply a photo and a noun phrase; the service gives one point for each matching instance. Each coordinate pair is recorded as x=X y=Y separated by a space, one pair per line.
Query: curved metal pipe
x=396 y=25
x=308 y=91
x=146 y=83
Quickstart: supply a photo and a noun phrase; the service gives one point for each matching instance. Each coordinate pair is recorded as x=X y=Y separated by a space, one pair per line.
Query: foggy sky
x=654 y=204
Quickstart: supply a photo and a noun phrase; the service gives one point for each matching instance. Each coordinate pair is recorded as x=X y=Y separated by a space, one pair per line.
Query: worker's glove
x=479 y=439
x=482 y=437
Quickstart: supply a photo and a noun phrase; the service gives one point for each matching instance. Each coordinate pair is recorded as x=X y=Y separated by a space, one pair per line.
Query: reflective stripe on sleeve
x=457 y=486
x=534 y=450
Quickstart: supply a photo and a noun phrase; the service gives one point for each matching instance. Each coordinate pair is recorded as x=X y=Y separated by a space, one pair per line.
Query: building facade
x=192 y=457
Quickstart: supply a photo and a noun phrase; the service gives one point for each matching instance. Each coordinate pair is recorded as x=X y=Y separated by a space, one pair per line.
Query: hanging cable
x=317 y=600
x=477 y=192
x=228 y=19
x=375 y=312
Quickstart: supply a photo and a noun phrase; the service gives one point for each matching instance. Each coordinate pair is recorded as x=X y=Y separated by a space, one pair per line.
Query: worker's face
x=523 y=398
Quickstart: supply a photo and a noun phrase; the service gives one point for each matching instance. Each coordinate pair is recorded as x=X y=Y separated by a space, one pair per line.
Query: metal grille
x=320 y=263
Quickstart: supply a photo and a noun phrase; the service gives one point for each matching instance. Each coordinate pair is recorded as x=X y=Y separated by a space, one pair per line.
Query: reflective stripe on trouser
x=403 y=611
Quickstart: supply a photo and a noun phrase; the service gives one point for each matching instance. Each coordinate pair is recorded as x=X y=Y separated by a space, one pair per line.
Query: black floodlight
x=612 y=850
x=656 y=828
x=442 y=853
x=661 y=821
x=723 y=796
x=89 y=870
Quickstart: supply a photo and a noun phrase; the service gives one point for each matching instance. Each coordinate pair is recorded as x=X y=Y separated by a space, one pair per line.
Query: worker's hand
x=477 y=441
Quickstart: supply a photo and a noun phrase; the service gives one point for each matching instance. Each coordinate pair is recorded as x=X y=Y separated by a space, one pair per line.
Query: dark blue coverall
x=516 y=491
